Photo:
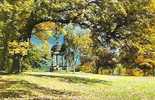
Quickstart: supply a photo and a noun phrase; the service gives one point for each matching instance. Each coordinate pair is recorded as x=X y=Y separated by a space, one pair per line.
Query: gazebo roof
x=56 y=48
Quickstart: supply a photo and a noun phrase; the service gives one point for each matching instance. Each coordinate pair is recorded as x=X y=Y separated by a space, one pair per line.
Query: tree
x=17 y=50
x=127 y=24
x=77 y=43
x=13 y=18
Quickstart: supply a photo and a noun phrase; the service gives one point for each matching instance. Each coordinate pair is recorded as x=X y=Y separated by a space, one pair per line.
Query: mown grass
x=76 y=86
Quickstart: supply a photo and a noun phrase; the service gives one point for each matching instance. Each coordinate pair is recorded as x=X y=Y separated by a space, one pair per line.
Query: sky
x=52 y=40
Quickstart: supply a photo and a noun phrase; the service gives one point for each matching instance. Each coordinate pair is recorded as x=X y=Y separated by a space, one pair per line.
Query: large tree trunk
x=97 y=65
x=97 y=69
x=16 y=66
x=5 y=59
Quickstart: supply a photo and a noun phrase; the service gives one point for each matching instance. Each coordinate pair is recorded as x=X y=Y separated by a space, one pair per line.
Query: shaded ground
x=24 y=89
x=78 y=86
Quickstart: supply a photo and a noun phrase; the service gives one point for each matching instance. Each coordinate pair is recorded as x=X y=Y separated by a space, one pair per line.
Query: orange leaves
x=87 y=67
x=44 y=30
x=42 y=36
x=139 y=59
x=46 y=26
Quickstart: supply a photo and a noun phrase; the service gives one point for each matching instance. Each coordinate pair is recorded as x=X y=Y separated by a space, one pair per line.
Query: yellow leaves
x=23 y=5
x=57 y=5
x=49 y=33
x=63 y=31
x=74 y=14
x=151 y=5
x=80 y=2
x=122 y=10
x=18 y=48
x=137 y=72
x=45 y=49
x=45 y=46
x=119 y=7
x=19 y=6
x=24 y=44
x=13 y=44
x=6 y=7
x=83 y=42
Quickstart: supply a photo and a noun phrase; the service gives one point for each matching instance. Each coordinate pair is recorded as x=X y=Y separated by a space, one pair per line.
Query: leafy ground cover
x=76 y=86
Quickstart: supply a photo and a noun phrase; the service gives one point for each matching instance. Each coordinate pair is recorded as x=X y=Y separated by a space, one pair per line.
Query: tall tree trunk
x=97 y=66
x=97 y=69
x=16 y=66
x=5 y=59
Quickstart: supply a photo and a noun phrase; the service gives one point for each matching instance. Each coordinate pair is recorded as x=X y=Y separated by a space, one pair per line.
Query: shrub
x=119 y=70
x=88 y=68
x=137 y=72
x=105 y=71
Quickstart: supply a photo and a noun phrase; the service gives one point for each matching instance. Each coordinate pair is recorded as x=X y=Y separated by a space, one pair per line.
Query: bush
x=137 y=72
x=26 y=67
x=88 y=68
x=119 y=70
x=105 y=71
x=77 y=68
x=129 y=71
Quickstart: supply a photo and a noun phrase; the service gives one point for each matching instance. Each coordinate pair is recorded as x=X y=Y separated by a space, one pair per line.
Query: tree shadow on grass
x=24 y=89
x=3 y=73
x=75 y=79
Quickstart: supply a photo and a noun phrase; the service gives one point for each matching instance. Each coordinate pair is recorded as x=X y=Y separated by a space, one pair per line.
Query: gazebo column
x=62 y=61
x=57 y=60
x=52 y=64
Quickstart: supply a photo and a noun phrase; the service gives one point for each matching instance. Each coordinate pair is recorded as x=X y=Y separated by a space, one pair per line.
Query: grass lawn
x=77 y=86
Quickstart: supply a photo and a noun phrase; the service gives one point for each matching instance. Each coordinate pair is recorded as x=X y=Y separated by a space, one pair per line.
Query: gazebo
x=57 y=55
